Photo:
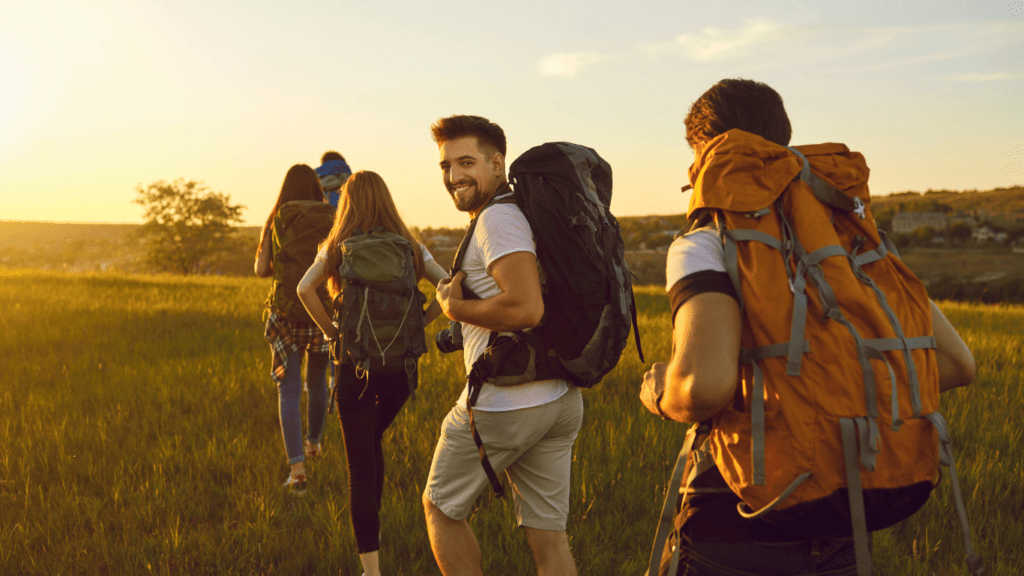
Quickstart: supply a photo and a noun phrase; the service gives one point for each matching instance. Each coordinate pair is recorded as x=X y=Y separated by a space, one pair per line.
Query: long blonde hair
x=364 y=203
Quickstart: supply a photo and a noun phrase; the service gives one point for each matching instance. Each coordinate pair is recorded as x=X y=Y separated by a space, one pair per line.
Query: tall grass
x=139 y=434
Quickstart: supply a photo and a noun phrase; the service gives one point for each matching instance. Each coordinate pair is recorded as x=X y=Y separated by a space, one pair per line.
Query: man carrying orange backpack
x=808 y=355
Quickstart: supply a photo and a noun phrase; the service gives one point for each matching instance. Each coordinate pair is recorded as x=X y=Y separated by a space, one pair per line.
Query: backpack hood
x=743 y=172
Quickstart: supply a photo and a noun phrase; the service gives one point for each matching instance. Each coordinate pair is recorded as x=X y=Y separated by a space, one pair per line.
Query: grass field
x=139 y=435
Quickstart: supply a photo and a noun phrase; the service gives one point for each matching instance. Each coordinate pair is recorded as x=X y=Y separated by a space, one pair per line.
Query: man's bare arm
x=700 y=379
x=956 y=363
x=520 y=304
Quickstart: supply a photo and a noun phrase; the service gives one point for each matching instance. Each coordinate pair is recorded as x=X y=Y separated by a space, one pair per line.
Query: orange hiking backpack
x=835 y=422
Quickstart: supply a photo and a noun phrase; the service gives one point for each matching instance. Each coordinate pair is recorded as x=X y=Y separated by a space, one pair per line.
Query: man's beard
x=471 y=203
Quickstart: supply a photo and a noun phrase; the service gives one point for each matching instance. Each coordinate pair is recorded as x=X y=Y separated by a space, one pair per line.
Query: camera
x=450 y=339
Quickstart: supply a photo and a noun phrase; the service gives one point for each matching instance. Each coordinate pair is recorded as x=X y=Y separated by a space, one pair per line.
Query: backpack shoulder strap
x=502 y=196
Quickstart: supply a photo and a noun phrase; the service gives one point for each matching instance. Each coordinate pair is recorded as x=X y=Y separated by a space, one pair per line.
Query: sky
x=99 y=97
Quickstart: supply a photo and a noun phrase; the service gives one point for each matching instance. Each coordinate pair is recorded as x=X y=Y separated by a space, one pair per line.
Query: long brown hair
x=364 y=203
x=300 y=183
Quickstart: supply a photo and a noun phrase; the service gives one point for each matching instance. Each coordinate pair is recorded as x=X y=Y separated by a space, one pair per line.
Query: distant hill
x=96 y=247
x=1002 y=205
x=76 y=247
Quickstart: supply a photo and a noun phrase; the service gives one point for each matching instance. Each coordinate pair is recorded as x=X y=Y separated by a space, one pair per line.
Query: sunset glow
x=98 y=97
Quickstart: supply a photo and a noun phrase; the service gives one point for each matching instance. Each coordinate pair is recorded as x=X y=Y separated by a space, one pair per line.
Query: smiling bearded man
x=529 y=428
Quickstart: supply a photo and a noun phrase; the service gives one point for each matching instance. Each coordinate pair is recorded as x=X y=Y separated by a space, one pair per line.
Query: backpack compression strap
x=694 y=436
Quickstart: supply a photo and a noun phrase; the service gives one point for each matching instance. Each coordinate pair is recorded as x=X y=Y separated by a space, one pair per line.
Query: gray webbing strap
x=892 y=344
x=889 y=244
x=757 y=426
x=798 y=285
x=730 y=259
x=894 y=322
x=825 y=252
x=668 y=509
x=876 y=354
x=825 y=292
x=824 y=191
x=871 y=255
x=867 y=435
x=749 y=355
x=828 y=302
x=974 y=562
x=870 y=393
x=749 y=514
x=858 y=517
x=743 y=234
x=797 y=325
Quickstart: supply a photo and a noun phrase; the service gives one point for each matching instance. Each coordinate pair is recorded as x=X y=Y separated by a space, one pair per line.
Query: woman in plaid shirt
x=289 y=329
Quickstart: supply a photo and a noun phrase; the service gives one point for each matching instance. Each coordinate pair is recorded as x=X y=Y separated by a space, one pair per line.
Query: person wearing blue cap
x=333 y=172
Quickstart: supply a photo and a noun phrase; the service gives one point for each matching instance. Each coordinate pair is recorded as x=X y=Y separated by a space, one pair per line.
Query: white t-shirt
x=697 y=251
x=501 y=230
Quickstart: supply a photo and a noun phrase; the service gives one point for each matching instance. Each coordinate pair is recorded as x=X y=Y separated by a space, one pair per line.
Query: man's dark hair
x=331 y=155
x=737 y=103
x=487 y=133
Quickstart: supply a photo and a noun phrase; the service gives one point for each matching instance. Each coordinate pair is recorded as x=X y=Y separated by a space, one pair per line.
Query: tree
x=186 y=224
x=922 y=236
x=958 y=232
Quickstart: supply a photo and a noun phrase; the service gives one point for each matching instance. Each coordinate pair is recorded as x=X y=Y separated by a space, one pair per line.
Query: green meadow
x=139 y=435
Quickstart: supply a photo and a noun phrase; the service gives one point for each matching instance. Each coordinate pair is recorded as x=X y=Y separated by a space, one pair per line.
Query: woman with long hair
x=299 y=220
x=365 y=204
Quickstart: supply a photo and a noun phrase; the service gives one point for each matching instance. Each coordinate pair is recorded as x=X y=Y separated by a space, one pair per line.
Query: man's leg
x=551 y=552
x=454 y=545
x=455 y=480
x=540 y=480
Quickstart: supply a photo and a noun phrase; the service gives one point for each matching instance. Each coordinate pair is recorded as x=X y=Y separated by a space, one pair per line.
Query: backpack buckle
x=858 y=207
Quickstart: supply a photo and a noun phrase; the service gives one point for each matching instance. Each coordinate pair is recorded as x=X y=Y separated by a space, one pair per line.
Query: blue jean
x=289 y=395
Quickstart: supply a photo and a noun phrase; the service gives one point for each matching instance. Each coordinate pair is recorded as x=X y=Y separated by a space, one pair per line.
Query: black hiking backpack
x=564 y=191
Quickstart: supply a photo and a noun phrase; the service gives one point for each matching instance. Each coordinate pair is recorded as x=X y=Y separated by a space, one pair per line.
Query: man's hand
x=653 y=387
x=449 y=293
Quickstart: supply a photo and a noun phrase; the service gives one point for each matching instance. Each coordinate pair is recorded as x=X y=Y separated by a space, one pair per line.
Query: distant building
x=907 y=222
x=965 y=219
x=982 y=234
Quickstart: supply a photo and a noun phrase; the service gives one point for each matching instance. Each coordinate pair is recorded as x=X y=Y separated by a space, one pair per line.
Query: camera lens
x=450 y=339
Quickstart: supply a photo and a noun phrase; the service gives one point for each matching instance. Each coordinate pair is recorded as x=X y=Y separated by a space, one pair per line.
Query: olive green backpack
x=299 y=226
x=380 y=309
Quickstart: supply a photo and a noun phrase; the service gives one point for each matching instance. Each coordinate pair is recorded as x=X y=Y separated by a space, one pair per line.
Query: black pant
x=363 y=421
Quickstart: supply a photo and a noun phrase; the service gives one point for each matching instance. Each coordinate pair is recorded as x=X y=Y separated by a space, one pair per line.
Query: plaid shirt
x=287 y=337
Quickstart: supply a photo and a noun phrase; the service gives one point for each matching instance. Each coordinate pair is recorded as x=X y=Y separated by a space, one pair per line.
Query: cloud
x=978 y=77
x=762 y=43
x=567 y=65
x=714 y=44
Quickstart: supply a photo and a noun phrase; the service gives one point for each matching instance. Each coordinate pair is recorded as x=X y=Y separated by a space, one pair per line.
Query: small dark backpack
x=379 y=310
x=299 y=226
x=564 y=191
